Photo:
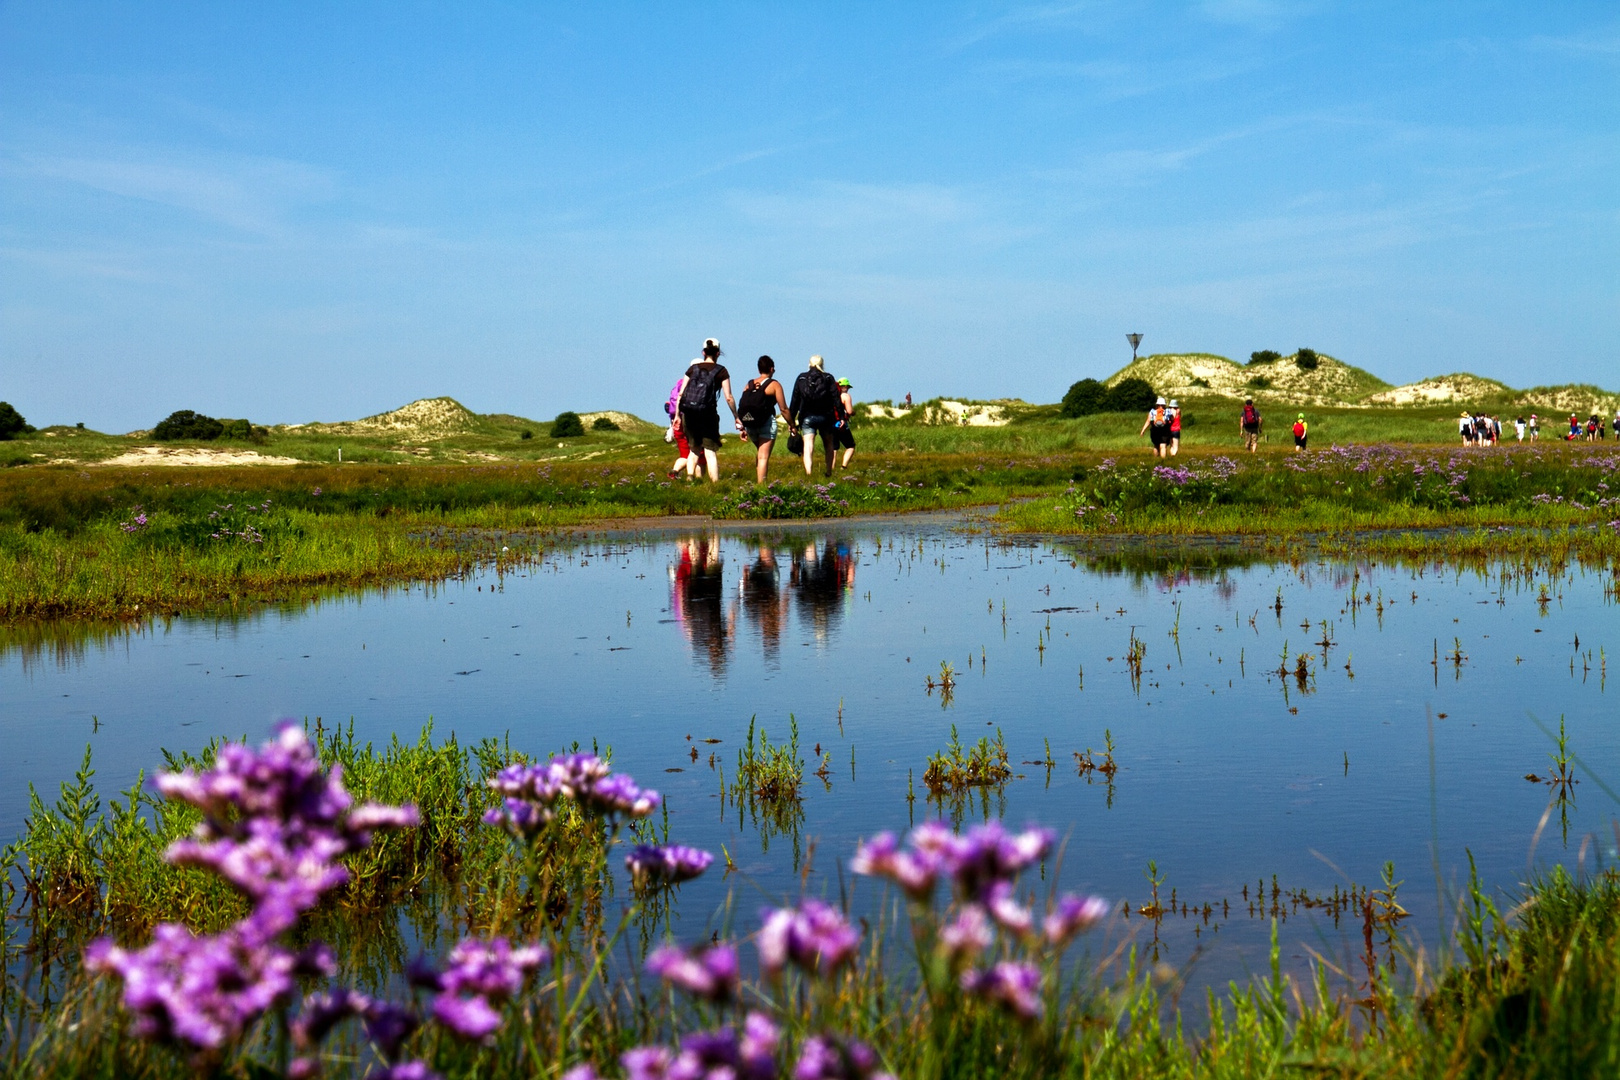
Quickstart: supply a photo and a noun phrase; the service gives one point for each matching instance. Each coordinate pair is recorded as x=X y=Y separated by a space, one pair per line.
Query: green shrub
x=186 y=424
x=603 y=423
x=1130 y=395
x=1306 y=360
x=12 y=423
x=1259 y=382
x=1201 y=383
x=567 y=425
x=1264 y=356
x=1084 y=398
x=527 y=434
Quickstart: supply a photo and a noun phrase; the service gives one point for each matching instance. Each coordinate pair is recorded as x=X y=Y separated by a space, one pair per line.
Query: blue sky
x=294 y=212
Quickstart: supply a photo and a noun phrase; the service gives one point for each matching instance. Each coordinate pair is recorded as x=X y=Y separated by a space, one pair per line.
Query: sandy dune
x=191 y=455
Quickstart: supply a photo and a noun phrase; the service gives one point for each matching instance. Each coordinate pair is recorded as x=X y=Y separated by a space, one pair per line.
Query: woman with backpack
x=1175 y=427
x=1302 y=432
x=756 y=411
x=703 y=383
x=814 y=406
x=1157 y=425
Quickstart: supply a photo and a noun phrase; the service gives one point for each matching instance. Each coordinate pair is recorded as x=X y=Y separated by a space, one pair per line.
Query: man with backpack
x=814 y=410
x=1249 y=425
x=702 y=384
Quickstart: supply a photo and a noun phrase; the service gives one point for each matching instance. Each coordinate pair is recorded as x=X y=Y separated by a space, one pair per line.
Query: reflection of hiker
x=674 y=434
x=1301 y=432
x=815 y=401
x=756 y=411
x=1175 y=427
x=697 y=599
x=1157 y=426
x=1249 y=425
x=763 y=600
x=705 y=381
x=846 y=412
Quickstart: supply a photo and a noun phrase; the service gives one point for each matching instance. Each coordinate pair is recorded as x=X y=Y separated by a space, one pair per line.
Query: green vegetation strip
x=133 y=543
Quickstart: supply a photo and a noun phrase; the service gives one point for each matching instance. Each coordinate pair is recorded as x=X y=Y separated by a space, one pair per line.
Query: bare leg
x=714 y=465
x=1175 y=447
x=809 y=451
x=849 y=452
x=830 y=451
x=762 y=459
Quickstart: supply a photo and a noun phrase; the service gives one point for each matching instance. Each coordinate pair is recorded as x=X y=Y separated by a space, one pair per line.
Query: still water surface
x=1230 y=777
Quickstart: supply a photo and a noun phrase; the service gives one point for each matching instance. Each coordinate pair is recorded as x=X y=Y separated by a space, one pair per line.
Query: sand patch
x=193 y=455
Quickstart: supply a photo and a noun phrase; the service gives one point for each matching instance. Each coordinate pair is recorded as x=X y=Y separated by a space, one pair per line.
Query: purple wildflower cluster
x=814 y=936
x=274 y=825
x=479 y=975
x=137 y=521
x=530 y=793
x=983 y=866
x=651 y=865
x=709 y=974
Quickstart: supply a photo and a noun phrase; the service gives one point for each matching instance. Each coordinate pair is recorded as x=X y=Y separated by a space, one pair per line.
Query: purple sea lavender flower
x=470 y=1018
x=816 y=937
x=587 y=1071
x=652 y=865
x=203 y=991
x=478 y=974
x=914 y=871
x=757 y=1055
x=1004 y=907
x=1074 y=915
x=388 y=1026
x=646 y=1063
x=968 y=934
x=711 y=974
x=520 y=818
x=825 y=1058
x=988 y=854
x=1017 y=986
x=407 y=1070
x=619 y=795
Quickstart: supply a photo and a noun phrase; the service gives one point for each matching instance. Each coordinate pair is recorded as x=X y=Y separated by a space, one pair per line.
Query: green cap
x=843 y=382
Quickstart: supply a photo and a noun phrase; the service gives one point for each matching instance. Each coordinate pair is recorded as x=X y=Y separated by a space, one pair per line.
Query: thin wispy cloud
x=249 y=194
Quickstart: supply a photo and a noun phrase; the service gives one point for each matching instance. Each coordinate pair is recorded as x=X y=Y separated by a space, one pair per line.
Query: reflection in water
x=697 y=601
x=763 y=601
x=820 y=578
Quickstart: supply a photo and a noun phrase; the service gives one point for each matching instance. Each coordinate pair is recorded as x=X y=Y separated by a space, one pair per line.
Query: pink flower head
x=815 y=937
x=968 y=934
x=1016 y=986
x=1072 y=916
x=652 y=865
x=711 y=974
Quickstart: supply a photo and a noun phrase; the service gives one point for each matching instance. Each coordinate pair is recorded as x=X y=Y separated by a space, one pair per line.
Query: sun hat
x=845 y=383
x=1159 y=402
x=1174 y=404
x=1302 y=416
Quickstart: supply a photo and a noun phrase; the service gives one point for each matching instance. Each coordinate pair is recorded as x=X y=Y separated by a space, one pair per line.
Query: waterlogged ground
x=1407 y=737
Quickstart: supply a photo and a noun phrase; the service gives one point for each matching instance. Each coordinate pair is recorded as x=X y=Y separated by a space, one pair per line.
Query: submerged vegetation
x=302 y=877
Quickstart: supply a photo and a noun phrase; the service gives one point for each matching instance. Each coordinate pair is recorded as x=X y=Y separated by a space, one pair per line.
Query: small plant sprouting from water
x=772 y=773
x=946 y=684
x=984 y=765
x=1135 y=653
x=1087 y=763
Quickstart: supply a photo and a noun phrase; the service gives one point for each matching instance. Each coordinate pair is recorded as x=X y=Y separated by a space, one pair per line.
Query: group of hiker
x=1163 y=426
x=820 y=405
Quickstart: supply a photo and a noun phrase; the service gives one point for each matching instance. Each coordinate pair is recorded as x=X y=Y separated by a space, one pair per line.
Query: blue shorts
x=823 y=424
x=761 y=433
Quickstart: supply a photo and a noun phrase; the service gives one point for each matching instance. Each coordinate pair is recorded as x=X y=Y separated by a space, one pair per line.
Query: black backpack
x=702 y=387
x=755 y=406
x=820 y=393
